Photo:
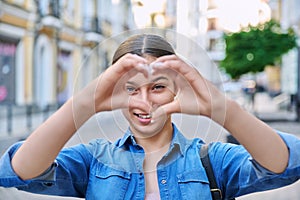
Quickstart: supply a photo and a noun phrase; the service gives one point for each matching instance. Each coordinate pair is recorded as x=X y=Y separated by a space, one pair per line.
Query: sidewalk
x=268 y=109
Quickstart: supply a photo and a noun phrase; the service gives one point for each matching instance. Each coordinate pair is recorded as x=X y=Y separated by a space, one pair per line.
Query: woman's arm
x=198 y=96
x=41 y=148
x=105 y=93
x=261 y=141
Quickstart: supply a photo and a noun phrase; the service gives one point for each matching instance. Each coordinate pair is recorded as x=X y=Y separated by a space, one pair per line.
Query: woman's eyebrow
x=131 y=83
x=152 y=81
x=159 y=78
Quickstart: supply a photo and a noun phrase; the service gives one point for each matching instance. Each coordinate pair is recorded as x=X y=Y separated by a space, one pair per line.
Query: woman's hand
x=104 y=93
x=195 y=95
x=107 y=92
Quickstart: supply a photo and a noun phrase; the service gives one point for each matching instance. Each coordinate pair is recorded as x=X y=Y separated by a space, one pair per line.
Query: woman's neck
x=157 y=142
x=155 y=148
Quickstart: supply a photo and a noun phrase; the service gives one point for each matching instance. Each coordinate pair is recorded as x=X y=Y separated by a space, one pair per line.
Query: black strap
x=216 y=193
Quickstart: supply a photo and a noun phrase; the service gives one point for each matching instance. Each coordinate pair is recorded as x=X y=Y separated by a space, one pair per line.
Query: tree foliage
x=254 y=47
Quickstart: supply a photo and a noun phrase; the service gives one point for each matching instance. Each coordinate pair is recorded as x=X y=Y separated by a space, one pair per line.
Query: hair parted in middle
x=144 y=44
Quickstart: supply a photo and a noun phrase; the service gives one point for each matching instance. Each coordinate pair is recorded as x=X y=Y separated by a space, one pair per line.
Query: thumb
x=167 y=109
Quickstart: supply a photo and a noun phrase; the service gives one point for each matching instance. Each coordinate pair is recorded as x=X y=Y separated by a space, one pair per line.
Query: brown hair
x=142 y=44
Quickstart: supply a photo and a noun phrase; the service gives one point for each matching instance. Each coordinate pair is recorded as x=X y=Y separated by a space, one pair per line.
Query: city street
x=113 y=124
x=51 y=49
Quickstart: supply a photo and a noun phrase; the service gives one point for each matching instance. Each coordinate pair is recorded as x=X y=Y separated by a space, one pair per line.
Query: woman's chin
x=146 y=131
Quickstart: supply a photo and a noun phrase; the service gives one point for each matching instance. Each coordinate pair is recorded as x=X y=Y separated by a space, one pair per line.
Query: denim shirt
x=104 y=170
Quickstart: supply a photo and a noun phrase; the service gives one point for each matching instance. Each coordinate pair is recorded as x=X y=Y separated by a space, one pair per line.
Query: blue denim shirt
x=104 y=170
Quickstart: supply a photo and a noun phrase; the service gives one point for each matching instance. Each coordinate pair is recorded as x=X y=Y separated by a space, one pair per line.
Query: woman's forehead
x=140 y=79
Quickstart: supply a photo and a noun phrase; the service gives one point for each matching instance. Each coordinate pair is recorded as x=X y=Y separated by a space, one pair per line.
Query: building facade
x=48 y=47
x=51 y=48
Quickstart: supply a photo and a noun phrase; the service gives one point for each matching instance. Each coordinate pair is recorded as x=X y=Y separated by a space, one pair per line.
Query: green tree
x=254 y=47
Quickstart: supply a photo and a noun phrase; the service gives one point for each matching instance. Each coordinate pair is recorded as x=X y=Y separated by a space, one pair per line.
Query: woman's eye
x=131 y=90
x=158 y=87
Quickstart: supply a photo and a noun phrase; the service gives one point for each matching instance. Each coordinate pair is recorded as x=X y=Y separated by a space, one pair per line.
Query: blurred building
x=288 y=14
x=17 y=30
x=47 y=46
x=205 y=21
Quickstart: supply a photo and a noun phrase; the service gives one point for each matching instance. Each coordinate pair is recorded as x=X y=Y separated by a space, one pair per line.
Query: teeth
x=145 y=116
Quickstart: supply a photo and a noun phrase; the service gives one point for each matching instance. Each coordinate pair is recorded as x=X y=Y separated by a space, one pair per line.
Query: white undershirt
x=152 y=196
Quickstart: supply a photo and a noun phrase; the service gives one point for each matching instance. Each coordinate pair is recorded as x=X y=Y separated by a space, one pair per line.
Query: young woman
x=153 y=160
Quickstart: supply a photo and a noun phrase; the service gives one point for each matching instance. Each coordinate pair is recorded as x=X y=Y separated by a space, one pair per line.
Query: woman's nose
x=144 y=96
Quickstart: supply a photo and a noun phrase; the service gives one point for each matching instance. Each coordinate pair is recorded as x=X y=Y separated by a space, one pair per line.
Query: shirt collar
x=178 y=140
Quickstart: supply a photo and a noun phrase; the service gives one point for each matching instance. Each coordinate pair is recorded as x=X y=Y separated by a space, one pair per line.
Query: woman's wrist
x=233 y=109
x=220 y=106
x=83 y=107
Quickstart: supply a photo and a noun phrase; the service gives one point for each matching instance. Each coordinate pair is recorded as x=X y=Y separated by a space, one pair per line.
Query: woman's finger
x=133 y=63
x=166 y=110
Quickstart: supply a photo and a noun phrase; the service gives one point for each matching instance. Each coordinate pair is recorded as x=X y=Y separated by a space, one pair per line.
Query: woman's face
x=154 y=91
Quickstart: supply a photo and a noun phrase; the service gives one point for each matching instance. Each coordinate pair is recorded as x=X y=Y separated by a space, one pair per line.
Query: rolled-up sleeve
x=8 y=177
x=292 y=170
x=67 y=176
x=238 y=174
x=293 y=144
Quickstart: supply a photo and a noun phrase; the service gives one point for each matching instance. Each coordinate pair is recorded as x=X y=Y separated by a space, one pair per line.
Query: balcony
x=49 y=12
x=91 y=24
x=92 y=29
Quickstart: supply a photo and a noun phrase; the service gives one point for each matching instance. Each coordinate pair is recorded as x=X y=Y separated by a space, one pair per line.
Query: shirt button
x=163 y=181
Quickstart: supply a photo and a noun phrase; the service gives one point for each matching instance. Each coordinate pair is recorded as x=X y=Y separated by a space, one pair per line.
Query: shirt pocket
x=194 y=185
x=108 y=183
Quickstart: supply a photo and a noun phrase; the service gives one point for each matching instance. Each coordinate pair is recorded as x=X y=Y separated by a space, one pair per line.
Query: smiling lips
x=143 y=118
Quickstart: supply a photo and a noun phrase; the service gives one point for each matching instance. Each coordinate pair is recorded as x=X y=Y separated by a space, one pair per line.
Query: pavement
x=101 y=126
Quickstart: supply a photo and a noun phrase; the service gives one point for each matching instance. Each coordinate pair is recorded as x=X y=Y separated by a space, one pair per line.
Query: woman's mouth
x=143 y=118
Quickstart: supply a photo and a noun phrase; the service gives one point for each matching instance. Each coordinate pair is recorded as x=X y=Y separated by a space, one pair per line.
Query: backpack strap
x=216 y=193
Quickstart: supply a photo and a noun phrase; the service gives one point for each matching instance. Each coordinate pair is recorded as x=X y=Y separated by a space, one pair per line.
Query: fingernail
x=156 y=64
x=150 y=70
x=142 y=65
x=175 y=97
